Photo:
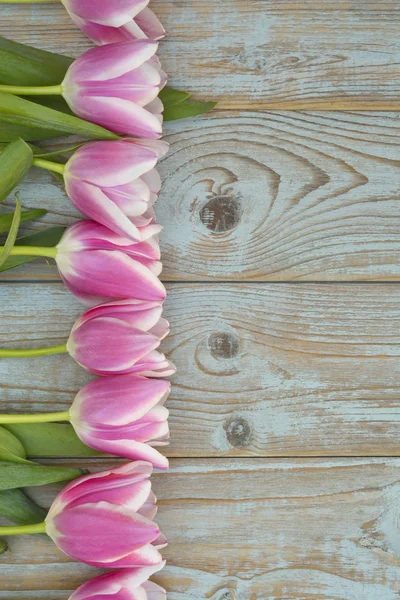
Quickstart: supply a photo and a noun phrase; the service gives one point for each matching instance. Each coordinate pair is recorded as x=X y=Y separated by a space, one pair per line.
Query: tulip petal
x=119 y=478
x=105 y=12
x=149 y=24
x=117 y=401
x=93 y=203
x=108 y=62
x=132 y=198
x=145 y=556
x=109 y=164
x=149 y=508
x=109 y=274
x=111 y=583
x=118 y=115
x=141 y=314
x=132 y=496
x=127 y=449
x=108 y=345
x=100 y=531
x=102 y=34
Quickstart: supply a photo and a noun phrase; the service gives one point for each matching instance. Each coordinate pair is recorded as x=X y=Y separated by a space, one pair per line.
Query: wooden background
x=281 y=253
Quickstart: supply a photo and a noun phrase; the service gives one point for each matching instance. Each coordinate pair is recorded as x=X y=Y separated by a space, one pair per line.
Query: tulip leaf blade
x=12 y=234
x=31 y=474
x=11 y=448
x=26 y=65
x=17 y=507
x=47 y=238
x=15 y=162
x=171 y=97
x=50 y=439
x=43 y=153
x=27 y=215
x=36 y=122
x=187 y=108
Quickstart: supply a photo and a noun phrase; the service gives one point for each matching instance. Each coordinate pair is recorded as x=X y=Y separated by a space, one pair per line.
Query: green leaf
x=46 y=238
x=27 y=215
x=19 y=508
x=12 y=234
x=43 y=153
x=15 y=162
x=50 y=439
x=16 y=475
x=188 y=108
x=11 y=449
x=31 y=121
x=4 y=547
x=170 y=97
x=25 y=65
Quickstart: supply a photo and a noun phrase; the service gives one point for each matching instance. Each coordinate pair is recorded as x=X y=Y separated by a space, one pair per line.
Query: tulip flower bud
x=105 y=519
x=125 y=416
x=97 y=264
x=115 y=184
x=110 y=21
x=117 y=86
x=121 y=337
x=128 y=584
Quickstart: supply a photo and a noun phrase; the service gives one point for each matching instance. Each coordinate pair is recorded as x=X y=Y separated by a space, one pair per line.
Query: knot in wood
x=221 y=214
x=238 y=432
x=223 y=345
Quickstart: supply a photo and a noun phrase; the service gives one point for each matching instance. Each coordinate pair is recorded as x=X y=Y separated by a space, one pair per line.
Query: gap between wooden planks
x=244 y=529
x=263 y=370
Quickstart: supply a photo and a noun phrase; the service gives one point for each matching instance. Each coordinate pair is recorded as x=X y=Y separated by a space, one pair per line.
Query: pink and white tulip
x=121 y=337
x=110 y=21
x=117 y=87
x=105 y=519
x=128 y=584
x=116 y=184
x=96 y=264
x=125 y=416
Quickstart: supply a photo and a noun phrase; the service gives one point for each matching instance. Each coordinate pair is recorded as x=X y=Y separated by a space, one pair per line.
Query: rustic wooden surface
x=253 y=529
x=318 y=54
x=313 y=370
x=268 y=196
x=281 y=253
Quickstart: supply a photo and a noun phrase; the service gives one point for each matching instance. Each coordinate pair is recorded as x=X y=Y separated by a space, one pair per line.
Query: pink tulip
x=121 y=337
x=117 y=86
x=97 y=264
x=125 y=416
x=110 y=21
x=105 y=519
x=128 y=584
x=115 y=183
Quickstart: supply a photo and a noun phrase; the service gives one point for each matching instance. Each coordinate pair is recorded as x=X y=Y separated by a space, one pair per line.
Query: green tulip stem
x=61 y=349
x=48 y=252
x=49 y=165
x=23 y=529
x=38 y=418
x=22 y=90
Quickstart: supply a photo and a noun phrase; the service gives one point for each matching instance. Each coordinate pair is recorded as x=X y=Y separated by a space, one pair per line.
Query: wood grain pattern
x=267 y=196
x=298 y=54
x=263 y=370
x=252 y=530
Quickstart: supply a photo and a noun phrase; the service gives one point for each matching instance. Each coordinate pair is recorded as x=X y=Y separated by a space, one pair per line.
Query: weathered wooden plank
x=247 y=530
x=267 y=196
x=263 y=369
x=322 y=54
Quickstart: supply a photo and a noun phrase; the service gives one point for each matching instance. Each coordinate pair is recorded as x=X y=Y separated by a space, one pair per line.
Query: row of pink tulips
x=112 y=264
